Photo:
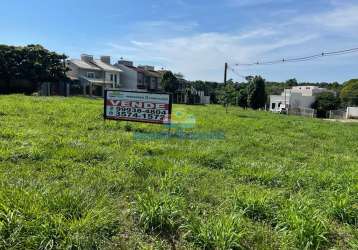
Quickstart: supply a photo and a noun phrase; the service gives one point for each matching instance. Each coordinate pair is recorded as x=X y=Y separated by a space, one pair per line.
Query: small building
x=94 y=75
x=297 y=97
x=194 y=96
x=352 y=113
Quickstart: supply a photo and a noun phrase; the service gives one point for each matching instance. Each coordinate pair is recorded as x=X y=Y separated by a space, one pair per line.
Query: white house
x=94 y=75
x=297 y=97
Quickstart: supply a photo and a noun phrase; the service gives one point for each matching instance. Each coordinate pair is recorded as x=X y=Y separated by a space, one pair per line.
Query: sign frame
x=138 y=92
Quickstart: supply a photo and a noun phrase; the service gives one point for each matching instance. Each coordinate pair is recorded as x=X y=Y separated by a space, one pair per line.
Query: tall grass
x=217 y=232
x=69 y=180
x=159 y=212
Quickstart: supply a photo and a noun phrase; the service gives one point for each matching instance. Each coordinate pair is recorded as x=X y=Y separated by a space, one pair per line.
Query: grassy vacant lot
x=70 y=181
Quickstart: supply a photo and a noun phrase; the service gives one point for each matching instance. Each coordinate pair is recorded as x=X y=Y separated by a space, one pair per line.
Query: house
x=141 y=78
x=297 y=97
x=94 y=75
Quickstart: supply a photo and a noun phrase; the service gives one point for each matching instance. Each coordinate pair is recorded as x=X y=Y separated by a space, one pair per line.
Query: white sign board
x=137 y=106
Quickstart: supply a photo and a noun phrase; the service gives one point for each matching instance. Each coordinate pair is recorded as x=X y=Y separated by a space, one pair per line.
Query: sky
x=195 y=37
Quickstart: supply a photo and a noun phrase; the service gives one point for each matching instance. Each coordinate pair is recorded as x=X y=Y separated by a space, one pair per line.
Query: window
x=90 y=75
x=115 y=79
x=273 y=105
x=111 y=77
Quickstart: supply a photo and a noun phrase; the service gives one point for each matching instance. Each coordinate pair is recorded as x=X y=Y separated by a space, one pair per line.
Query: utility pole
x=225 y=73
x=225 y=80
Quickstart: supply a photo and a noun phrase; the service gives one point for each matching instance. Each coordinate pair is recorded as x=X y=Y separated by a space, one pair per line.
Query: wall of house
x=108 y=78
x=128 y=78
x=277 y=102
x=298 y=97
x=131 y=79
x=98 y=73
x=299 y=101
x=304 y=90
x=79 y=72
x=153 y=83
x=142 y=80
x=308 y=90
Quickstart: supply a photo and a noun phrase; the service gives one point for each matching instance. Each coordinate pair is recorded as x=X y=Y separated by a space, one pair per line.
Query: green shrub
x=128 y=127
x=216 y=232
x=159 y=212
x=345 y=209
x=214 y=160
x=39 y=223
x=10 y=227
x=257 y=208
x=307 y=224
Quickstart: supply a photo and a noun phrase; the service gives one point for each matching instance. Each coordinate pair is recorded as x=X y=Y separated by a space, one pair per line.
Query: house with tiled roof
x=141 y=78
x=94 y=75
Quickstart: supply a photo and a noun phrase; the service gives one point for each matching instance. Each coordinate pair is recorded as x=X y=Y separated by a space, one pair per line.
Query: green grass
x=69 y=180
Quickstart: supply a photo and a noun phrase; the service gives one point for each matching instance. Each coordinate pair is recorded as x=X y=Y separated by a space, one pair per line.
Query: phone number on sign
x=146 y=114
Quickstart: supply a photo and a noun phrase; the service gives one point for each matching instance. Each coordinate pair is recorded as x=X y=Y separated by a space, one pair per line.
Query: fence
x=342 y=114
x=338 y=114
x=307 y=112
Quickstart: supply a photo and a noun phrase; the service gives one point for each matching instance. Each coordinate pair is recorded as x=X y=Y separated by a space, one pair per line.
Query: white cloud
x=258 y=33
x=341 y=18
x=201 y=55
x=141 y=44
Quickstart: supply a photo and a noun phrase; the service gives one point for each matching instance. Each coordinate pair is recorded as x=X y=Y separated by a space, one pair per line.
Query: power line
x=236 y=73
x=302 y=59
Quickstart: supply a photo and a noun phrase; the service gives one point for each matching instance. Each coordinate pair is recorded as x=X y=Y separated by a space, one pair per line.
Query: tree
x=242 y=98
x=291 y=82
x=227 y=94
x=169 y=82
x=22 y=69
x=256 y=93
x=325 y=102
x=349 y=93
x=249 y=78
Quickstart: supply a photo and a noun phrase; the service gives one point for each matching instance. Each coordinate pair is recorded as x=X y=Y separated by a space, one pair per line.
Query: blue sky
x=194 y=37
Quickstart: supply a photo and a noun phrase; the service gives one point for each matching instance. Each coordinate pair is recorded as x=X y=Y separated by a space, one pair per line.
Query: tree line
x=24 y=68
x=255 y=91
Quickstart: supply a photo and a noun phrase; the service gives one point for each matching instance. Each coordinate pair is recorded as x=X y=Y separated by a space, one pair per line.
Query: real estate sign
x=137 y=106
